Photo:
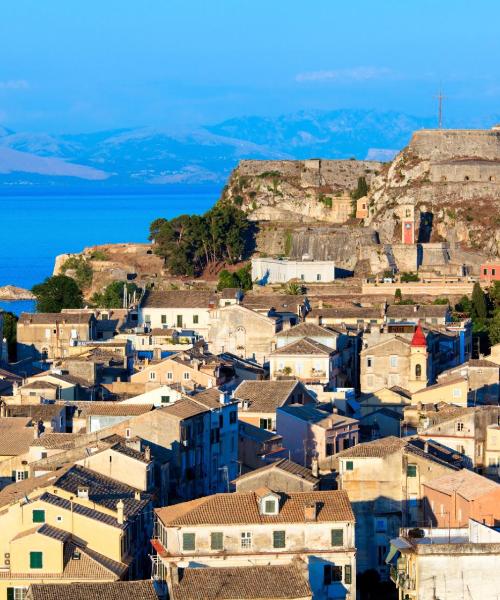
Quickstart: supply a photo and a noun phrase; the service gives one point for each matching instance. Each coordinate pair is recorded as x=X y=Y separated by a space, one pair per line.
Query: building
x=45 y=336
x=449 y=390
x=241 y=331
x=276 y=270
x=258 y=447
x=116 y=590
x=452 y=499
x=306 y=360
x=489 y=272
x=439 y=563
x=283 y=475
x=276 y=582
x=16 y=435
x=383 y=479
x=492 y=452
x=351 y=315
x=311 y=434
x=177 y=309
x=264 y=527
x=430 y=314
x=259 y=400
x=482 y=377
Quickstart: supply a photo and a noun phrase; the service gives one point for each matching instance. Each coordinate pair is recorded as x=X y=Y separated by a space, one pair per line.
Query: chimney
x=315 y=466
x=137 y=495
x=426 y=446
x=82 y=492
x=147 y=453
x=222 y=398
x=310 y=511
x=3 y=410
x=120 y=517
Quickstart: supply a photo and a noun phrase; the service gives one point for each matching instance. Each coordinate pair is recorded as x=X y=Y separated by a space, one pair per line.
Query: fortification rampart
x=465 y=170
x=445 y=144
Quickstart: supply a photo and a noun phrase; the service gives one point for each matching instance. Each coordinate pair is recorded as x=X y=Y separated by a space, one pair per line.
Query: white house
x=276 y=270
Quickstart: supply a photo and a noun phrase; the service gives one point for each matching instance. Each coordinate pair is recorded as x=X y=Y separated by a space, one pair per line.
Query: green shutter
x=279 y=539
x=38 y=516
x=337 y=537
x=188 y=541
x=216 y=540
x=13 y=476
x=349 y=465
x=10 y=593
x=411 y=470
x=348 y=574
x=36 y=560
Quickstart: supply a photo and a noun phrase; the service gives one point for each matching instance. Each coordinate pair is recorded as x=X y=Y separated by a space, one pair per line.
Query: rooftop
x=465 y=483
x=184 y=408
x=271 y=582
x=307 y=329
x=116 y=590
x=304 y=346
x=419 y=311
x=264 y=396
x=178 y=299
x=314 y=415
x=77 y=318
x=284 y=465
x=239 y=508
x=115 y=409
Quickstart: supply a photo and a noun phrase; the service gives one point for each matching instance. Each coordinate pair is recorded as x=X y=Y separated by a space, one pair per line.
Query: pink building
x=490 y=272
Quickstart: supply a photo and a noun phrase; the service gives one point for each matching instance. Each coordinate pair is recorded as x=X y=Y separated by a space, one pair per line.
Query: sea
x=34 y=229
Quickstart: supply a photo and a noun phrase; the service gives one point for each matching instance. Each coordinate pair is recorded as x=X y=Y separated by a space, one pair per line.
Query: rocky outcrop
x=452 y=179
x=11 y=292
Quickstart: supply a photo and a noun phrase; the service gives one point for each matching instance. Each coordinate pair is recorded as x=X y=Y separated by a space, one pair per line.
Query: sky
x=70 y=66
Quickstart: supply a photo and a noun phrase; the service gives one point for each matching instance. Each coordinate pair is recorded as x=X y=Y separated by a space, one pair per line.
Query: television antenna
x=440 y=99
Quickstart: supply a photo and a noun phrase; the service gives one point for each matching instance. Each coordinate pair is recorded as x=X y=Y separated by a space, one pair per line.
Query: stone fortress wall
x=453 y=144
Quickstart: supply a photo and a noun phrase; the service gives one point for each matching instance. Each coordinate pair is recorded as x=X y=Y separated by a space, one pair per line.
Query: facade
x=350 y=315
x=275 y=270
x=283 y=475
x=259 y=400
x=482 y=380
x=45 y=336
x=430 y=314
x=262 y=528
x=311 y=434
x=258 y=447
x=489 y=272
x=242 y=332
x=450 y=390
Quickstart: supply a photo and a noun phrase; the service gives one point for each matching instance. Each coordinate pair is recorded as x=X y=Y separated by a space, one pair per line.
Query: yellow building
x=452 y=390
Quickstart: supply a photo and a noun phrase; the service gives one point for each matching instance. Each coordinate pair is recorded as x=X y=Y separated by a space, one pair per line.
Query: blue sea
x=34 y=229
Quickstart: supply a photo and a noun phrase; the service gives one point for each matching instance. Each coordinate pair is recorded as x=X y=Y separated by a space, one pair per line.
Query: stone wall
x=444 y=144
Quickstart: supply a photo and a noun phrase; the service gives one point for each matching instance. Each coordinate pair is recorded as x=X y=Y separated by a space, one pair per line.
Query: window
x=36 y=560
x=457 y=393
x=164 y=319
x=418 y=371
x=348 y=574
x=170 y=375
x=186 y=375
x=152 y=375
x=349 y=465
x=394 y=361
x=20 y=475
x=279 y=539
x=460 y=426
x=381 y=525
x=381 y=554
x=217 y=540
x=165 y=399
x=16 y=593
x=369 y=362
x=266 y=423
x=270 y=507
x=485 y=271
x=147 y=319
x=232 y=417
x=337 y=537
x=493 y=271
x=331 y=573
x=411 y=470
x=318 y=277
x=195 y=319
x=38 y=516
x=246 y=539
x=179 y=321
x=188 y=541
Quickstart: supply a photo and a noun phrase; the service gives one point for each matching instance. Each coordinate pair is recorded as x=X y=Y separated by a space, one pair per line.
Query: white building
x=275 y=270
x=262 y=527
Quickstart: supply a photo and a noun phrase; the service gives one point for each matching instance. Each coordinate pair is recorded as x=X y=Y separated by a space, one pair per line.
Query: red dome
x=419 y=338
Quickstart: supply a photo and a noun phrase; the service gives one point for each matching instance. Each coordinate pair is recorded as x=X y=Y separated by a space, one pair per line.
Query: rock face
x=298 y=190
x=452 y=179
x=11 y=292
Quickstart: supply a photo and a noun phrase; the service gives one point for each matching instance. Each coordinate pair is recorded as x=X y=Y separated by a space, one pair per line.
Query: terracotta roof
x=312 y=414
x=284 y=465
x=480 y=362
x=452 y=380
x=280 y=302
x=346 y=312
x=304 y=346
x=447 y=412
x=184 y=408
x=51 y=318
x=45 y=412
x=15 y=491
x=264 y=396
x=178 y=299
x=57 y=441
x=241 y=508
x=115 y=409
x=39 y=385
x=116 y=590
x=419 y=311
x=307 y=329
x=375 y=449
x=15 y=436
x=209 y=398
x=466 y=483
x=271 y=582
x=231 y=293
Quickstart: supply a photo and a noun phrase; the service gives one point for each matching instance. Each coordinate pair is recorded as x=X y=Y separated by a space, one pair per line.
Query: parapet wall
x=446 y=144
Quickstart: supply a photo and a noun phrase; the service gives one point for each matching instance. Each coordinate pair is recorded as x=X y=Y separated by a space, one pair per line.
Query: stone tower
x=418 y=361
x=407 y=224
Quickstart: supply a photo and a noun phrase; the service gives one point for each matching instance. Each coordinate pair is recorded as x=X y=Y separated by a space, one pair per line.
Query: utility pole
x=440 y=99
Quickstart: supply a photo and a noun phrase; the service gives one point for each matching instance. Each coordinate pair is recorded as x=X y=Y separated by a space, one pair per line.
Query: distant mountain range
x=150 y=158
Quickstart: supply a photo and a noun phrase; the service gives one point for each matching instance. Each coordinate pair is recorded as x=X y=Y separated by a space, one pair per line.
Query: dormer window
x=270 y=507
x=269 y=502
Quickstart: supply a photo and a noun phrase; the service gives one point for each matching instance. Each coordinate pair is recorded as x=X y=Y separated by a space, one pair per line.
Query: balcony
x=402 y=580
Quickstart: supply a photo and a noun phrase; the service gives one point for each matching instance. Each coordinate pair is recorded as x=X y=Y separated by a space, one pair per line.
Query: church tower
x=408 y=224
x=418 y=361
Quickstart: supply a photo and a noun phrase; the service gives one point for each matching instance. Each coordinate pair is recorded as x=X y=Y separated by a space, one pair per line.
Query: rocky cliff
x=452 y=179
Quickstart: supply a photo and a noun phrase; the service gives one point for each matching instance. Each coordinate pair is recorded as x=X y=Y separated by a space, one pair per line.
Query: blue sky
x=85 y=65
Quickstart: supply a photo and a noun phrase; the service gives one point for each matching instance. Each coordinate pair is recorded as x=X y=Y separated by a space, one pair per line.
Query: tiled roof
x=45 y=412
x=115 y=409
x=209 y=398
x=15 y=437
x=46 y=530
x=346 y=312
x=57 y=441
x=375 y=449
x=81 y=509
x=116 y=590
x=264 y=396
x=231 y=293
x=305 y=346
x=103 y=490
x=243 y=508
x=466 y=483
x=15 y=491
x=446 y=381
x=184 y=408
x=38 y=385
x=285 y=465
x=447 y=413
x=402 y=311
x=51 y=318
x=480 y=362
x=280 y=302
x=307 y=329
x=271 y=582
x=130 y=452
x=178 y=299
x=312 y=414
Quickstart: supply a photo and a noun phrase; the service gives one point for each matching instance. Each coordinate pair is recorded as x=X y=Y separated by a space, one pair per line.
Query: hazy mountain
x=150 y=157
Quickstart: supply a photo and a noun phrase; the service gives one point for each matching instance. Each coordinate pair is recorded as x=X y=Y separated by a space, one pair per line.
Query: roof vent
x=76 y=554
x=82 y=492
x=311 y=511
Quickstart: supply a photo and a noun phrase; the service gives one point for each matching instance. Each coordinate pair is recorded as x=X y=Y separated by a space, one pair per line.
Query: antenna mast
x=440 y=98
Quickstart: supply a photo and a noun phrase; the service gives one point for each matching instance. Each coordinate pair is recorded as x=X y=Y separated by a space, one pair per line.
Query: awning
x=393 y=555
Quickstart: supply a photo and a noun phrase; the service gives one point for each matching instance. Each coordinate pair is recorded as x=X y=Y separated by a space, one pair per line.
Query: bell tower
x=408 y=224
x=418 y=361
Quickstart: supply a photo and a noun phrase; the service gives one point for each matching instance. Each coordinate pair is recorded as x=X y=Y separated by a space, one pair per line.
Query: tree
x=293 y=289
x=10 y=333
x=112 y=296
x=441 y=301
x=227 y=280
x=464 y=305
x=361 y=190
x=494 y=328
x=479 y=310
x=57 y=292
x=82 y=270
x=398 y=296
x=245 y=277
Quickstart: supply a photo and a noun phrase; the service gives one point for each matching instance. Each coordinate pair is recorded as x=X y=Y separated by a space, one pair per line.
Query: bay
x=34 y=229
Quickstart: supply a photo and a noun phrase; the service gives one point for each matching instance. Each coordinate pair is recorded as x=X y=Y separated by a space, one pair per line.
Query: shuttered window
x=38 y=516
x=337 y=537
x=216 y=540
x=36 y=560
x=279 y=539
x=188 y=541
